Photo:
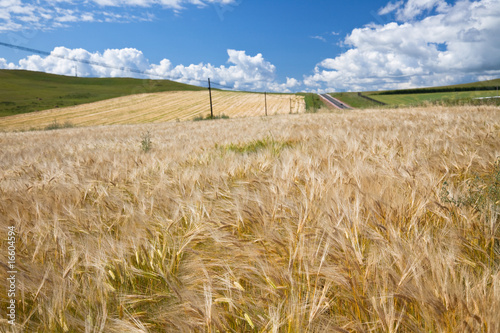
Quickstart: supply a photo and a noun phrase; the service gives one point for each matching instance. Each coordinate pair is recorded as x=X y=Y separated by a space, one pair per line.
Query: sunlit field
x=158 y=107
x=364 y=221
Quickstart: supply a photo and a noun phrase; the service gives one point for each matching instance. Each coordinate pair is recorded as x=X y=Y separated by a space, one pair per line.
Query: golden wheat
x=158 y=107
x=293 y=223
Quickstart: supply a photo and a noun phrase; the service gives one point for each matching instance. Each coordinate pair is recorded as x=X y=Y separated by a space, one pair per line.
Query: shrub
x=146 y=143
x=55 y=125
x=208 y=117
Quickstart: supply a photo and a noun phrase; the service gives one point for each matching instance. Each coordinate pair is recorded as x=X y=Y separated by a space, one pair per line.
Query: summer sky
x=259 y=45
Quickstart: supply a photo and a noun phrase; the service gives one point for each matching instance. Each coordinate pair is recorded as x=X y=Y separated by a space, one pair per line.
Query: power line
x=223 y=86
x=131 y=70
x=121 y=68
x=102 y=64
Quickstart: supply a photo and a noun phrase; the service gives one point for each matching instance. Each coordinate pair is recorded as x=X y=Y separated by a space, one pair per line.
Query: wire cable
x=123 y=68
x=101 y=64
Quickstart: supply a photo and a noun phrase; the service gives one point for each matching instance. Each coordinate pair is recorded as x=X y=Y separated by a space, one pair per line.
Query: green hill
x=474 y=86
x=453 y=94
x=27 y=91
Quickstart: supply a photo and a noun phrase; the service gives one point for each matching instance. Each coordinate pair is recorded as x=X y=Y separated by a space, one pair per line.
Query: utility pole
x=211 y=106
x=265 y=101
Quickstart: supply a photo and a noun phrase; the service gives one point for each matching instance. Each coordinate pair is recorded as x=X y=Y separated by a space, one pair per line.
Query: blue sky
x=313 y=45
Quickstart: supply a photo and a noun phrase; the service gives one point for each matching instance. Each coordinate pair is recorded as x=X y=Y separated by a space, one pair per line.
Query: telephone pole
x=211 y=106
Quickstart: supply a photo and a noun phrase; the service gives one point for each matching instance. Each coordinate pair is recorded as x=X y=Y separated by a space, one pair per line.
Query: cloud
x=18 y=15
x=327 y=36
x=456 y=43
x=321 y=38
x=243 y=72
x=390 y=7
x=413 y=8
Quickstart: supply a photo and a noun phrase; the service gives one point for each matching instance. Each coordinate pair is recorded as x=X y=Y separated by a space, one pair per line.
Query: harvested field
x=158 y=107
x=363 y=221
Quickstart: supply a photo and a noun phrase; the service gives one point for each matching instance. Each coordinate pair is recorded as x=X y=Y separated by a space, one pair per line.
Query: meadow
x=421 y=98
x=460 y=94
x=354 y=100
x=361 y=221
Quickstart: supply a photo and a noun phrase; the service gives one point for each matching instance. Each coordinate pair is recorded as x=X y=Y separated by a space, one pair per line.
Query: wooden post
x=211 y=106
x=265 y=101
x=290 y=105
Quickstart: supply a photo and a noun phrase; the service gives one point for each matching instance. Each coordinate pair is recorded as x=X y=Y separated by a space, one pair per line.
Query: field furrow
x=158 y=107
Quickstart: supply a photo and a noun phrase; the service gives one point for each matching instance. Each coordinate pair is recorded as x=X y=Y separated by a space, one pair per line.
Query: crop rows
x=158 y=107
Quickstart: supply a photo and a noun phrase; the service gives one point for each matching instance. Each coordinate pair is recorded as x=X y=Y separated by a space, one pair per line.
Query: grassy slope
x=416 y=99
x=27 y=91
x=420 y=96
x=295 y=223
x=481 y=85
x=352 y=99
x=313 y=102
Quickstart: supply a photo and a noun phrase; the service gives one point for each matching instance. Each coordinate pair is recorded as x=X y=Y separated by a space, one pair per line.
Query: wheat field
x=158 y=107
x=328 y=222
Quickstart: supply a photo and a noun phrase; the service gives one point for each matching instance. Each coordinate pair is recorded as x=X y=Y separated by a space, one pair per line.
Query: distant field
x=474 y=86
x=157 y=107
x=352 y=99
x=313 y=102
x=415 y=99
x=27 y=91
x=452 y=95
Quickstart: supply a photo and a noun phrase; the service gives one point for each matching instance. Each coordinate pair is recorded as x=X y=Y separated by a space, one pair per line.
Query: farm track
x=334 y=102
x=158 y=107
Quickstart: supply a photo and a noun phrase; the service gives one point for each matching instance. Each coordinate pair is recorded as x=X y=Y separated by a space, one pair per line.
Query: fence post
x=211 y=106
x=265 y=101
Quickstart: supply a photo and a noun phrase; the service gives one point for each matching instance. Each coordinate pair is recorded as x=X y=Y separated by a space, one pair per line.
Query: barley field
x=364 y=221
x=158 y=107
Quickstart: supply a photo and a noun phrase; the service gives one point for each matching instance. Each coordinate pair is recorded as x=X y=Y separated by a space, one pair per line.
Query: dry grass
x=156 y=108
x=300 y=223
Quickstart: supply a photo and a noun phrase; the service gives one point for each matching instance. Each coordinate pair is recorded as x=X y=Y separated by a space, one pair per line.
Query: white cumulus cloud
x=455 y=43
x=243 y=72
x=414 y=8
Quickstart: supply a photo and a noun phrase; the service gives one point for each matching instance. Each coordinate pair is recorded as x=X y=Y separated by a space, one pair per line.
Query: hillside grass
x=473 y=86
x=352 y=99
x=416 y=99
x=314 y=103
x=27 y=91
x=340 y=222
x=460 y=94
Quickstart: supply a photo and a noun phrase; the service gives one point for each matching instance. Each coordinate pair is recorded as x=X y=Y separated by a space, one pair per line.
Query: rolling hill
x=156 y=108
x=453 y=94
x=27 y=91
